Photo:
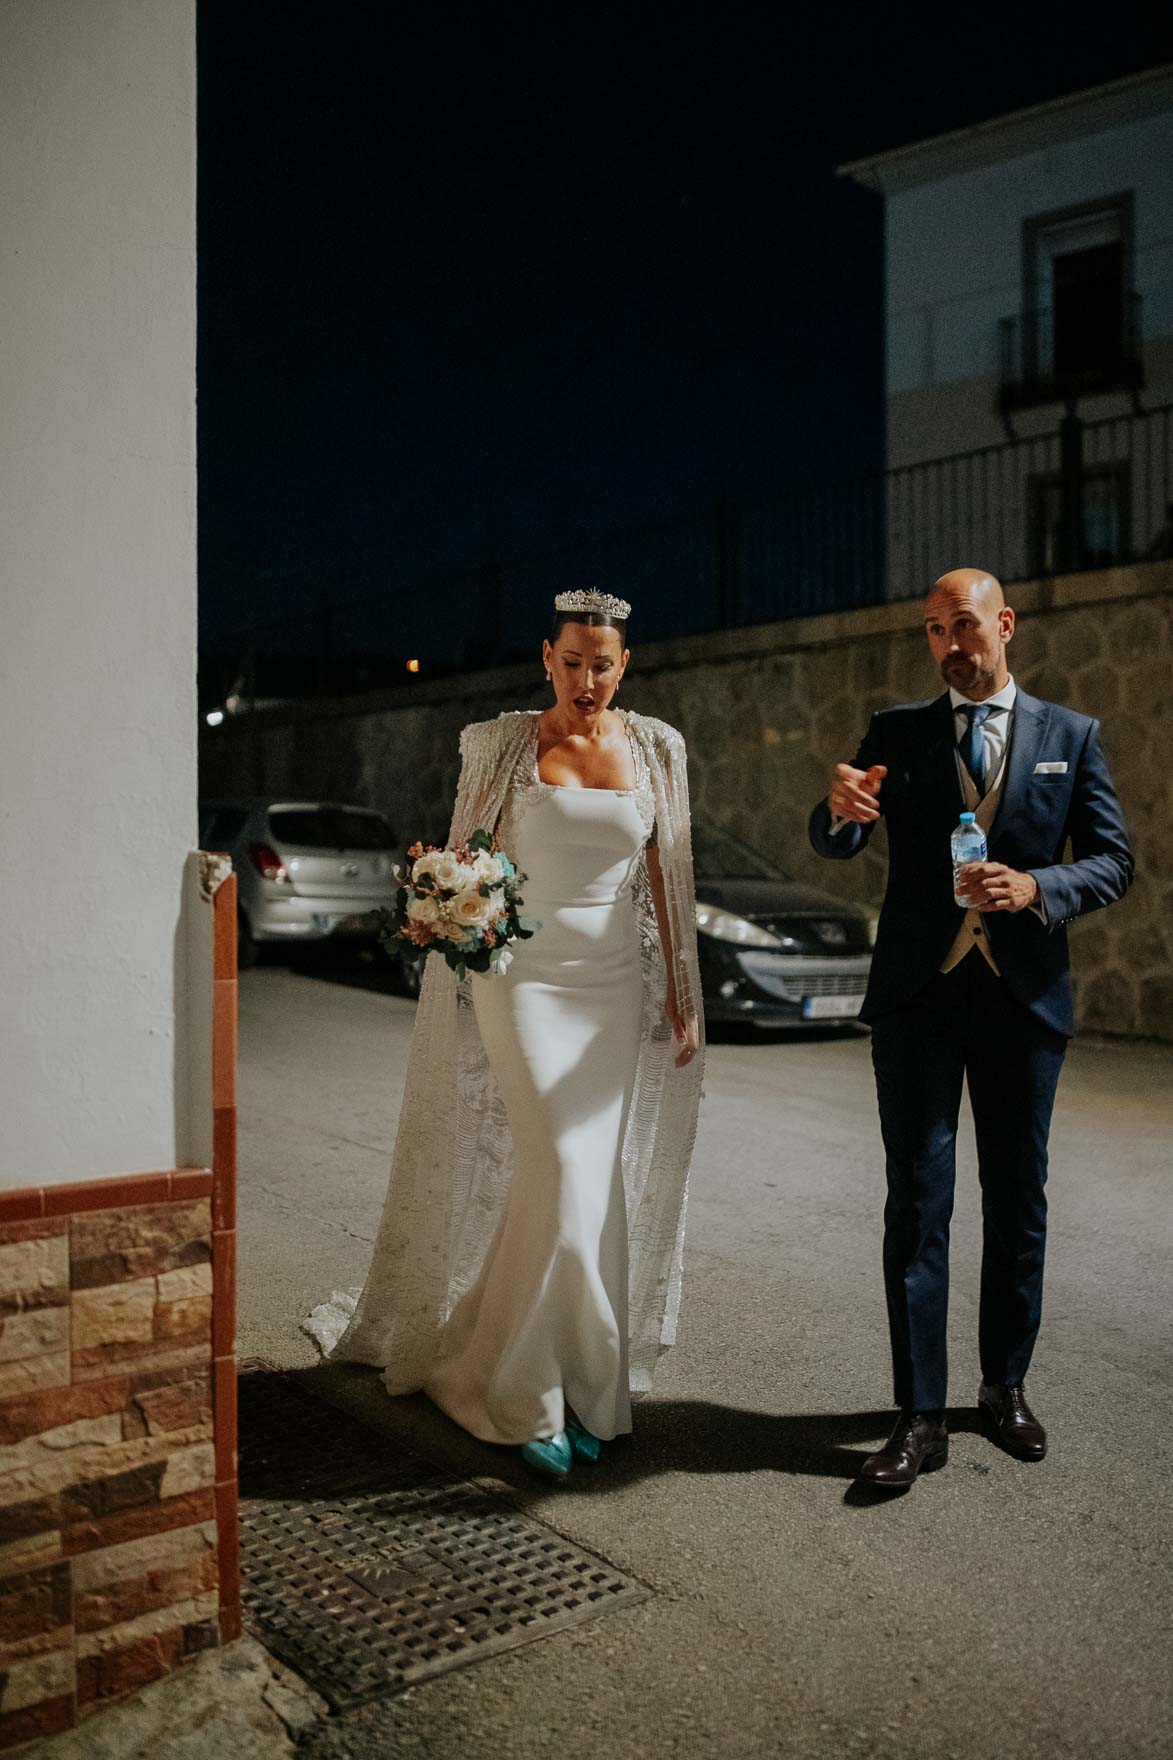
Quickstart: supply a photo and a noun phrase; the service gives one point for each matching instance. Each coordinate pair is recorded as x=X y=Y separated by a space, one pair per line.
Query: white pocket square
x=1058 y=768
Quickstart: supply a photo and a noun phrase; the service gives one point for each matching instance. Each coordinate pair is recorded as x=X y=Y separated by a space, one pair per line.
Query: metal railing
x=1048 y=361
x=1087 y=495
x=737 y=563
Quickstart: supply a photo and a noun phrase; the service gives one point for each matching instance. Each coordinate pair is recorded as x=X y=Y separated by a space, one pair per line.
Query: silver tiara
x=590 y=599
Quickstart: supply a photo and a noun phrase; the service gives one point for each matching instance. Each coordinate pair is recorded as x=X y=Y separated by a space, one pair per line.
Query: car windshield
x=718 y=855
x=330 y=828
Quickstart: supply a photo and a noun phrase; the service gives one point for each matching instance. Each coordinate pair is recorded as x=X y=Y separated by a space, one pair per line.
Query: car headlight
x=725 y=926
x=873 y=917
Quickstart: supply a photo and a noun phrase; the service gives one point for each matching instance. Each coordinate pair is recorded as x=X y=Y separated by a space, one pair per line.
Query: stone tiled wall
x=767 y=713
x=118 y=1556
x=764 y=735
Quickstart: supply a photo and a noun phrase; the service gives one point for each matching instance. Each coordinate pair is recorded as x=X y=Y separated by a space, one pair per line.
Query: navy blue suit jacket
x=1039 y=813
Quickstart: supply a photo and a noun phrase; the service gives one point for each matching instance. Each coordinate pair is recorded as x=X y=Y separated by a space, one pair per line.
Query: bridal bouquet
x=465 y=903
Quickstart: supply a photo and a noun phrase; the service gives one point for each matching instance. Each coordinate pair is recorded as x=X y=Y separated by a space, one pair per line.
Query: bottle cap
x=968 y=818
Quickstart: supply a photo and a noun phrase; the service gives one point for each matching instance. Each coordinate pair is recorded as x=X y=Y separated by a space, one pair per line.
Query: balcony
x=1080 y=349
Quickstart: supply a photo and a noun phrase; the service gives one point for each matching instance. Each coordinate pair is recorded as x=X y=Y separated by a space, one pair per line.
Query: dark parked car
x=773 y=952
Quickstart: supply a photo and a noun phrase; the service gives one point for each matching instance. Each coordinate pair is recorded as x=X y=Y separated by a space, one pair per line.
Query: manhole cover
x=367 y=1577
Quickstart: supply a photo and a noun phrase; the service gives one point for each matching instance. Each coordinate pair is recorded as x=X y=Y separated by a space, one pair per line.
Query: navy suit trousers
x=964 y=1025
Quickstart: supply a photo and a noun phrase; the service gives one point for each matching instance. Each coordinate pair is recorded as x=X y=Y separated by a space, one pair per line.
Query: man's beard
x=968 y=674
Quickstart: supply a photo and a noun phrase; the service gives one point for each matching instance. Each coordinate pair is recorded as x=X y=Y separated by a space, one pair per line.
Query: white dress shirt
x=995 y=731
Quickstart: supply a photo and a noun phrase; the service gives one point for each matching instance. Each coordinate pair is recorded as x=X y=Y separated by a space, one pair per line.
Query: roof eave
x=1005 y=137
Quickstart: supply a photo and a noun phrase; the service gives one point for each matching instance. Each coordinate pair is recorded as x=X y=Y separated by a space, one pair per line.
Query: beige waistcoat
x=972 y=932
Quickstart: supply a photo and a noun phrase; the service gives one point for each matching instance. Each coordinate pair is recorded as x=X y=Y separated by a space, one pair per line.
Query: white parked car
x=307 y=871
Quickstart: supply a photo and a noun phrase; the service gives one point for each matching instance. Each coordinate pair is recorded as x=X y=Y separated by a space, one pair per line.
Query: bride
x=526 y=1274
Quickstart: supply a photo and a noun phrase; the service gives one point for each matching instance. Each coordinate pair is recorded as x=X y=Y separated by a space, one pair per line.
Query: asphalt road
x=998 y=1610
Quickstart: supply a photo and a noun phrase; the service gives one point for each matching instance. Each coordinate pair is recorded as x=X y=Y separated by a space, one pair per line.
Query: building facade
x=1030 y=336
x=117 y=1373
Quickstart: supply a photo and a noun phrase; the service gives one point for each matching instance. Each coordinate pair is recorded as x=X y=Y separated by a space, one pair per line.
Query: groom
x=982 y=993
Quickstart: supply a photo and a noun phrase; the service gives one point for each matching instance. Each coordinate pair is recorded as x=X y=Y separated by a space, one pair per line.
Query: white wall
x=955 y=247
x=97 y=582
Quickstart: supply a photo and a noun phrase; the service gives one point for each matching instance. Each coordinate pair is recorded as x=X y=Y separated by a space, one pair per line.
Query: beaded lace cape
x=452 y=1162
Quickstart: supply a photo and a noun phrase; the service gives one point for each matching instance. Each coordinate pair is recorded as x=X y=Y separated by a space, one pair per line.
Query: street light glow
x=214 y=717
x=413 y=665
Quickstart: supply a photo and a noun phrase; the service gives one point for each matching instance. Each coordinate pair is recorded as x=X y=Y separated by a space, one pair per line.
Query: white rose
x=471 y=910
x=447 y=870
x=423 y=910
x=488 y=870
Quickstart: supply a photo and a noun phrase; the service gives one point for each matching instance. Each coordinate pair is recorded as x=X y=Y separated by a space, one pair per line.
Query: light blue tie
x=973 y=744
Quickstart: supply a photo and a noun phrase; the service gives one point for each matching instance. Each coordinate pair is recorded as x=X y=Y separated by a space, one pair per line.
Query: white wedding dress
x=530 y=1249
x=545 y=1323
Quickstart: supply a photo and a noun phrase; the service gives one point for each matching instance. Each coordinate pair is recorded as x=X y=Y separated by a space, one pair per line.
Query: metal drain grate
x=368 y=1590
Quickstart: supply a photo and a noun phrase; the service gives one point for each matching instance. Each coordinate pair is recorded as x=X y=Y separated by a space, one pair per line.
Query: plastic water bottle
x=968 y=844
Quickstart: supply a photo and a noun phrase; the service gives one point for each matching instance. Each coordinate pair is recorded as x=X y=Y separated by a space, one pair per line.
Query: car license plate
x=819 y=1008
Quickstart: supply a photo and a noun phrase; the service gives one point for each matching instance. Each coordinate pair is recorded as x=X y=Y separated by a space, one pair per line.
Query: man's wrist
x=1037 y=904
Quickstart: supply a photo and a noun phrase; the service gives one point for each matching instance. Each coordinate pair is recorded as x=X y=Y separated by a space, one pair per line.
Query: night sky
x=494 y=277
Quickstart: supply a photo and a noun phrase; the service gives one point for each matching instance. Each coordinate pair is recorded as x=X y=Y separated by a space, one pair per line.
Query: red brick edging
x=224 y=1017
x=118 y=1418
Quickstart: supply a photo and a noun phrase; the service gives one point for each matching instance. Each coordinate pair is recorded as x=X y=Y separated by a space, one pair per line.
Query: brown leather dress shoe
x=917 y=1444
x=1015 y=1425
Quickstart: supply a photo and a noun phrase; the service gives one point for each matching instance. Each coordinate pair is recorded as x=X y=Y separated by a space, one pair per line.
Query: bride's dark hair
x=593 y=620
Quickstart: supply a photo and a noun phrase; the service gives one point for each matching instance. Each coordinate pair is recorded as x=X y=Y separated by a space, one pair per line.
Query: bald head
x=968 y=624
x=963 y=584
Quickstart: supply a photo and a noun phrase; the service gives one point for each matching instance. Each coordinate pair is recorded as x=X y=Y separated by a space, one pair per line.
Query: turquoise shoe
x=583 y=1444
x=549 y=1454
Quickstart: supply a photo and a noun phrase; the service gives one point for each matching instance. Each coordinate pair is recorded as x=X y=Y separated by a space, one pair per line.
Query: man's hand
x=853 y=793
x=992 y=886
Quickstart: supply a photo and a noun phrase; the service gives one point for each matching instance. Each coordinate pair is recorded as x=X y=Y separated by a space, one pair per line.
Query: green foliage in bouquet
x=443 y=907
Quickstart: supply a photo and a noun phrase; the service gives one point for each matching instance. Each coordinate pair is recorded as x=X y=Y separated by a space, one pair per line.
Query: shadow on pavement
x=671 y=1436
x=357 y=967
x=295 y=1442
x=742 y=1033
x=701 y=1436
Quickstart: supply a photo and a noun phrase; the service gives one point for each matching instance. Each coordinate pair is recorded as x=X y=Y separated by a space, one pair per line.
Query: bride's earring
x=549 y=676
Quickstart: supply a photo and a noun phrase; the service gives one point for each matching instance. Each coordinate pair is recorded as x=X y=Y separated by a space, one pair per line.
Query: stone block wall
x=767 y=712
x=118 y=1547
x=764 y=735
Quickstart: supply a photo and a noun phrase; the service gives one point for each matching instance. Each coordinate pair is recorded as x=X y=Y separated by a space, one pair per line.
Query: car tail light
x=267 y=862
